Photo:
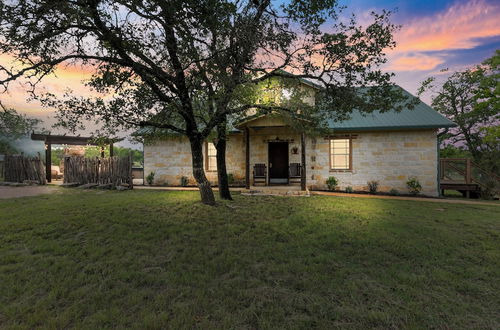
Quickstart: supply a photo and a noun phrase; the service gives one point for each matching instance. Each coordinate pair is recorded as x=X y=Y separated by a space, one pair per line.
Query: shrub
x=394 y=192
x=488 y=190
x=184 y=181
x=332 y=183
x=372 y=186
x=348 y=189
x=150 y=178
x=230 y=178
x=414 y=186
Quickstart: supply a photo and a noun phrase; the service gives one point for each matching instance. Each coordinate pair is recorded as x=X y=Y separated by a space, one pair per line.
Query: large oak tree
x=470 y=98
x=187 y=66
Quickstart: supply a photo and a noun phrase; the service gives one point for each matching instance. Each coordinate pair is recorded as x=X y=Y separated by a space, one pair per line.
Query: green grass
x=153 y=259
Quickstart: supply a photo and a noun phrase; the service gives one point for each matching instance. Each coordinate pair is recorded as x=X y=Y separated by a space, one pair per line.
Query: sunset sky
x=435 y=34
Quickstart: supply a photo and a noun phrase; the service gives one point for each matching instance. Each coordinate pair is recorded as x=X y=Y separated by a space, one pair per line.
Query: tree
x=12 y=127
x=470 y=99
x=184 y=65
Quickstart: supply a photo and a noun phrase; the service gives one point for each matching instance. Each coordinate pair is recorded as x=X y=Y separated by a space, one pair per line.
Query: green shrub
x=372 y=186
x=230 y=178
x=394 y=192
x=332 y=183
x=488 y=190
x=184 y=181
x=348 y=189
x=414 y=186
x=150 y=178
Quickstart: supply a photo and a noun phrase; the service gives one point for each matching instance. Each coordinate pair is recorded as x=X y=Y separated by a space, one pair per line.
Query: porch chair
x=259 y=174
x=294 y=173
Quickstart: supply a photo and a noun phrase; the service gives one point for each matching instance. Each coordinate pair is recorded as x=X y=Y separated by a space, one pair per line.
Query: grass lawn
x=156 y=259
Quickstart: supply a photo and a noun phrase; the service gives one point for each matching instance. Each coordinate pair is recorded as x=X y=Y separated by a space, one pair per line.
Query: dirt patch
x=14 y=192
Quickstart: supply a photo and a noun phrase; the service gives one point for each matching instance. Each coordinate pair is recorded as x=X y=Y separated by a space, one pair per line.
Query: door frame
x=269 y=158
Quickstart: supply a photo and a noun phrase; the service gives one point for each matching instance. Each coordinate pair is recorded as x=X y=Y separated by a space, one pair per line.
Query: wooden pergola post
x=247 y=158
x=303 y=161
x=48 y=161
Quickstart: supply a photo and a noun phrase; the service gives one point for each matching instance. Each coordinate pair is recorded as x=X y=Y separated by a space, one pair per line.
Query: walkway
x=14 y=192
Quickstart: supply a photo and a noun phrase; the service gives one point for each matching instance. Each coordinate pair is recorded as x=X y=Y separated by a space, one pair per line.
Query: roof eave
x=392 y=128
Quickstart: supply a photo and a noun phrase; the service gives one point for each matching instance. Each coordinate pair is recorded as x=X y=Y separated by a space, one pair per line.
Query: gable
x=264 y=121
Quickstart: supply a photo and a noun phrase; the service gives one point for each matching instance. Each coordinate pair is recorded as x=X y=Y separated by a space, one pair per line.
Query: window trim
x=207 y=162
x=330 y=139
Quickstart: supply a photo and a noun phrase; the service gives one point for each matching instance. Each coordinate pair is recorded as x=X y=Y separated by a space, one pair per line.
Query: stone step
x=271 y=192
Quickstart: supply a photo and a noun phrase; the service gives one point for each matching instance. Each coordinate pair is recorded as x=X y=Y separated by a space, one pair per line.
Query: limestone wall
x=170 y=159
x=387 y=157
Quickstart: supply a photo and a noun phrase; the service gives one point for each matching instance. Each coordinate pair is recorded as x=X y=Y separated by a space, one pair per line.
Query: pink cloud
x=65 y=77
x=458 y=27
x=418 y=62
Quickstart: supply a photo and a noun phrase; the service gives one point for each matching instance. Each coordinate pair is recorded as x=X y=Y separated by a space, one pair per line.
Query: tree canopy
x=13 y=126
x=470 y=98
x=187 y=65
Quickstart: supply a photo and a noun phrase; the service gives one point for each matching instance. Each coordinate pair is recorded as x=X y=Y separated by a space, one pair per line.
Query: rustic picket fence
x=20 y=168
x=114 y=171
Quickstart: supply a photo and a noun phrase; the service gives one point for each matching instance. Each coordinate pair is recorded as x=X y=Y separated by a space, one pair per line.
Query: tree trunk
x=206 y=193
x=220 y=146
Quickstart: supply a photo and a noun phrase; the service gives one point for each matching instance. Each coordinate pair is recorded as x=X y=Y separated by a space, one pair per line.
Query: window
x=340 y=154
x=211 y=157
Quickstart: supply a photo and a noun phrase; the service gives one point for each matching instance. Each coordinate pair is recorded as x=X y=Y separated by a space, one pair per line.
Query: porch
x=275 y=155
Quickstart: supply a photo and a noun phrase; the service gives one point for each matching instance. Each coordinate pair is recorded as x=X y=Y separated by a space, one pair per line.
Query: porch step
x=274 y=192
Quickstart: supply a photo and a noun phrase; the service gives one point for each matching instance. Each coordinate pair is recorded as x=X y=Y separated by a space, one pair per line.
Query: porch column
x=48 y=161
x=303 y=161
x=247 y=158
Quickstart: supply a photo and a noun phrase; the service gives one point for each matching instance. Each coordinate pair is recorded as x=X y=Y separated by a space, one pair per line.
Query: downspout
x=143 y=165
x=438 y=145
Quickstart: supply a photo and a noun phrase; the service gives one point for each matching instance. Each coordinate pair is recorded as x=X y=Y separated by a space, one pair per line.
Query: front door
x=278 y=162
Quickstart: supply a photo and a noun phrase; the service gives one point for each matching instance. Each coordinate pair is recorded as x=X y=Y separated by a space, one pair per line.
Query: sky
x=434 y=35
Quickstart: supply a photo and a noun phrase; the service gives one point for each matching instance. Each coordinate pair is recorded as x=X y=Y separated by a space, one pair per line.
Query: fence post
x=131 y=180
x=468 y=172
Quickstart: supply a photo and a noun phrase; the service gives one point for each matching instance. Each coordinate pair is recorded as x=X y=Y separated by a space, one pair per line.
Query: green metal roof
x=422 y=116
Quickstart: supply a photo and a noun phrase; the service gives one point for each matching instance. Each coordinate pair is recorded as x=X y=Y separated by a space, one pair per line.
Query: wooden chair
x=294 y=172
x=259 y=174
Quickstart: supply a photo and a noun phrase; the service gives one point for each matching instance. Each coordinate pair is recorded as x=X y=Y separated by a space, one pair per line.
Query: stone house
x=388 y=147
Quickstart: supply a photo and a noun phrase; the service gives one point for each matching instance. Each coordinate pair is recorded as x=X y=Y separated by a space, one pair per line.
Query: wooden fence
x=20 y=168
x=465 y=174
x=109 y=170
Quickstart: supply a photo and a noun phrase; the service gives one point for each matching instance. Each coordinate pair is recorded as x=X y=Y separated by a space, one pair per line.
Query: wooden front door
x=278 y=162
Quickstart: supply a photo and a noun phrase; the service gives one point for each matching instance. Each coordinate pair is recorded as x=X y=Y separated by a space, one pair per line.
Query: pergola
x=50 y=139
